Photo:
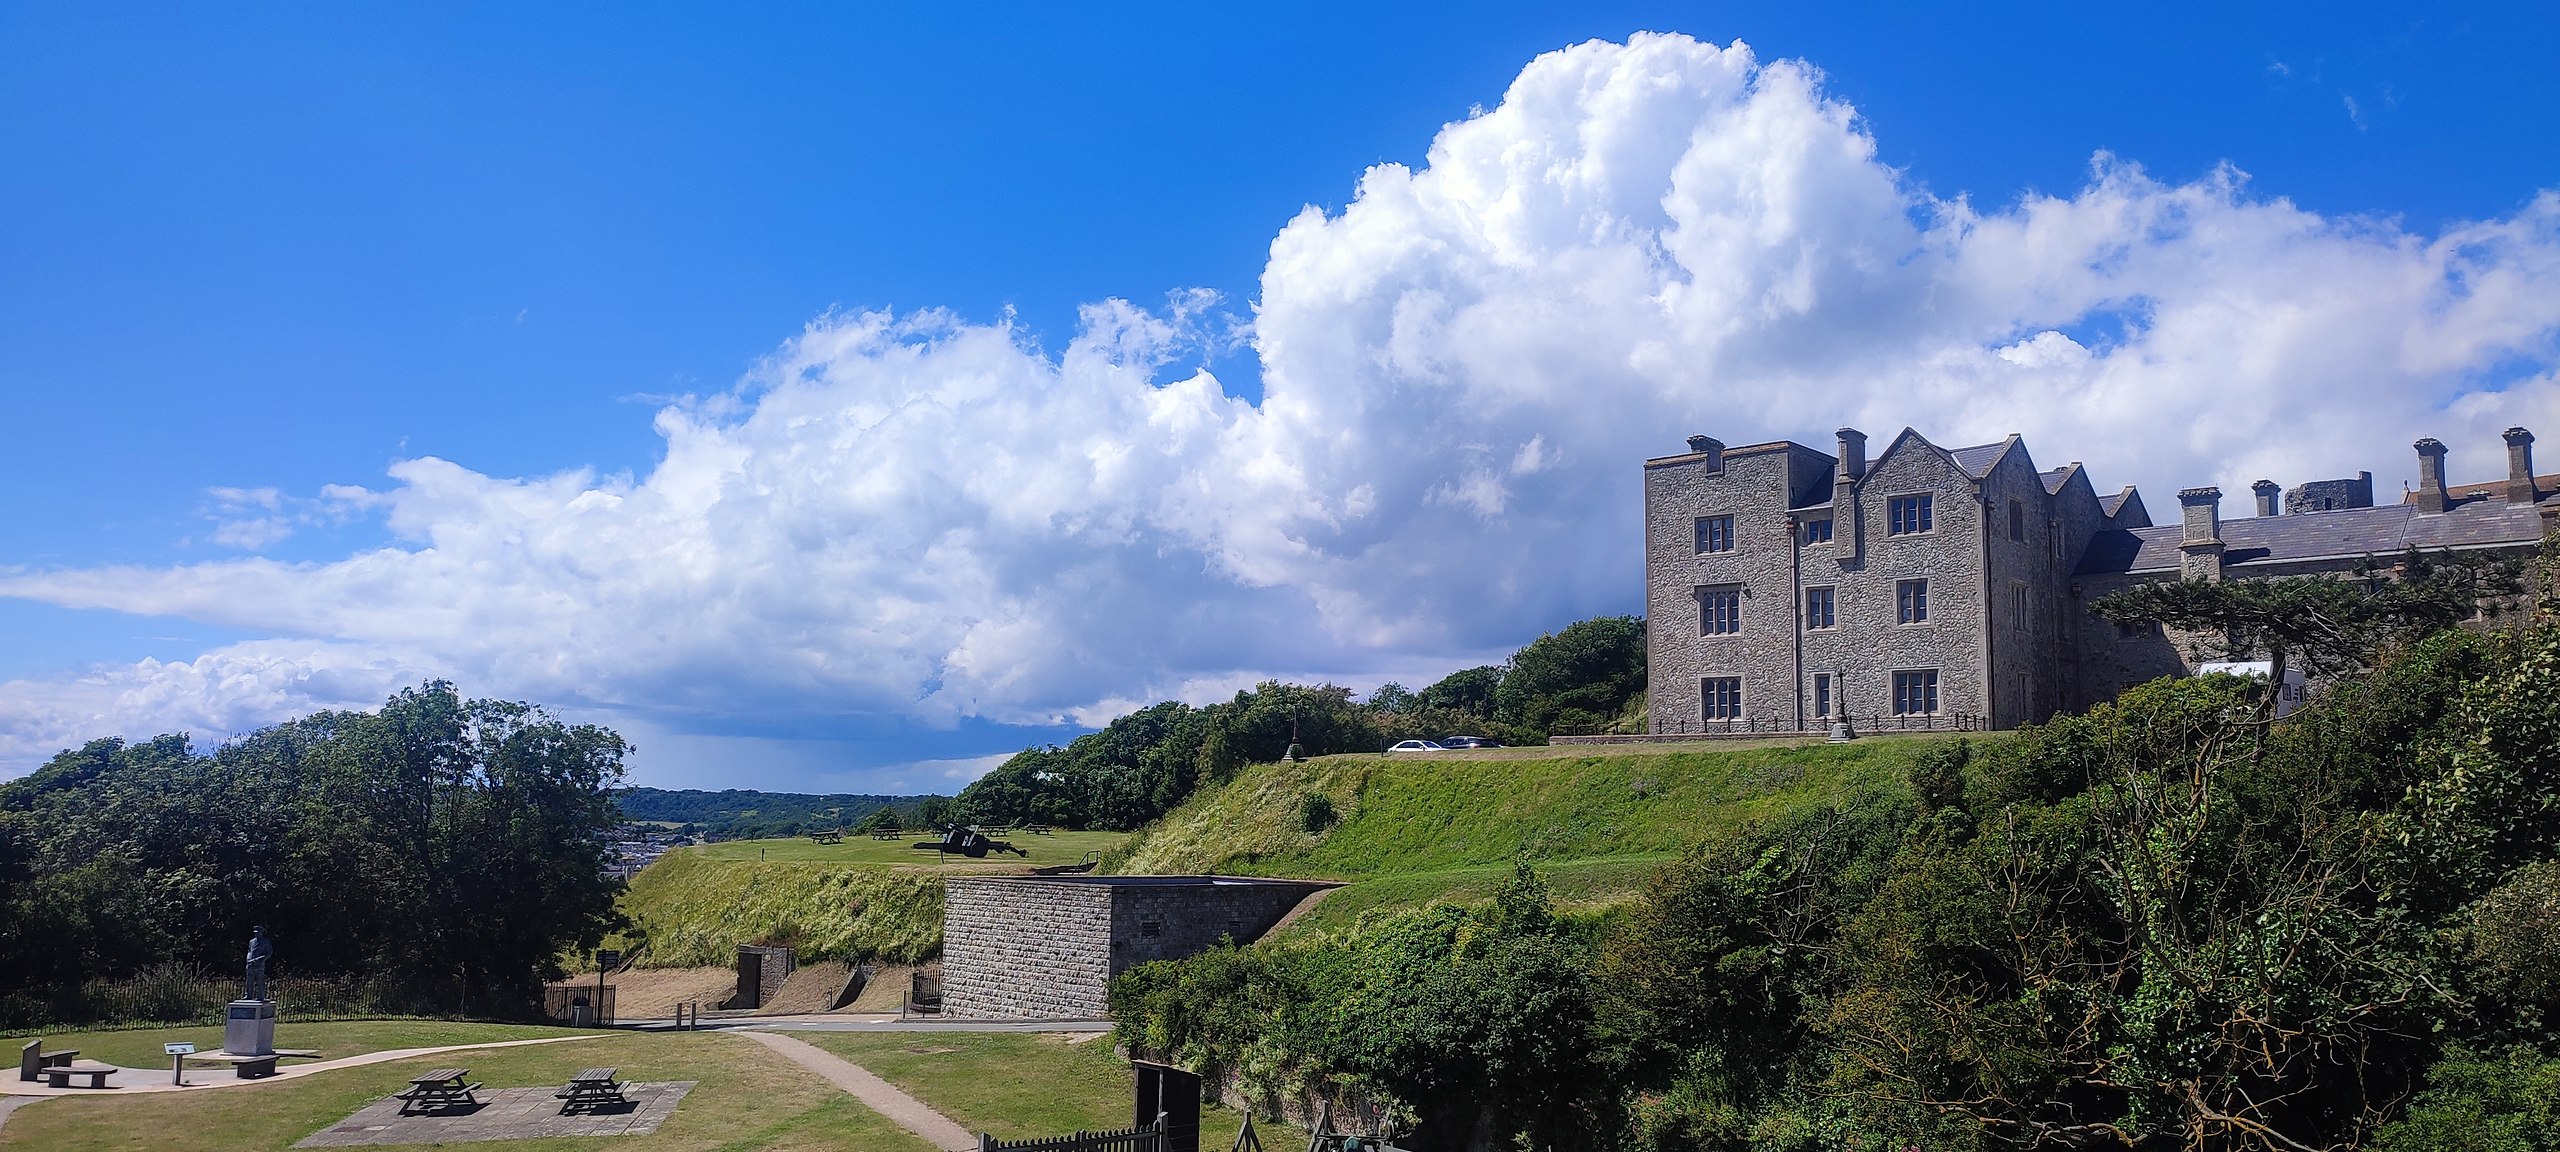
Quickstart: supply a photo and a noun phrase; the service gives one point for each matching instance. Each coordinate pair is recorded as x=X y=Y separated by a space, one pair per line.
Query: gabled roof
x=2381 y=532
x=1977 y=461
x=2055 y=478
x=2113 y=504
x=2542 y=485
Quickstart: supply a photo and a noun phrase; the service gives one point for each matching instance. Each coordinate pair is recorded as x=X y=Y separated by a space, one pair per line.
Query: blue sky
x=252 y=253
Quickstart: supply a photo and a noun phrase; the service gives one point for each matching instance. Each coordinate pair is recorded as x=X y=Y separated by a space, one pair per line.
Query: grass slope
x=1411 y=830
x=861 y=899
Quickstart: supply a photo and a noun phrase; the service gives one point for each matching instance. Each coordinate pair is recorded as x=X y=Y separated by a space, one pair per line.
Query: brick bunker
x=1046 y=947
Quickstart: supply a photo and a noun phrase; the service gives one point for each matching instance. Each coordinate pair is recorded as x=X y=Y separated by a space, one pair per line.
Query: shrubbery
x=1586 y=678
x=2169 y=923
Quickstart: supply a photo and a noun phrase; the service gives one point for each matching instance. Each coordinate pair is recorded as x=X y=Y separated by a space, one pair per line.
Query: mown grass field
x=863 y=898
x=746 y=1098
x=1597 y=821
x=1061 y=847
x=140 y=1047
x=1018 y=1085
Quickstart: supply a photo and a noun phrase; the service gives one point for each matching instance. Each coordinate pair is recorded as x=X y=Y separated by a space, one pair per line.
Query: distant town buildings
x=634 y=846
x=1940 y=587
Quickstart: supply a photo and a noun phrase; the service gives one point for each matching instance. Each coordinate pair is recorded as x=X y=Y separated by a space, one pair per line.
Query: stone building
x=1788 y=588
x=1046 y=947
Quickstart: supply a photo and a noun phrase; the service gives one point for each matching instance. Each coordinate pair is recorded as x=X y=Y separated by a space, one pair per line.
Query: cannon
x=962 y=840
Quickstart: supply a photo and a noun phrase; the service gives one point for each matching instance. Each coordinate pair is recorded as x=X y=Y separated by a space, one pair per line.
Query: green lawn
x=1597 y=821
x=140 y=1047
x=1020 y=1085
x=1060 y=847
x=747 y=1098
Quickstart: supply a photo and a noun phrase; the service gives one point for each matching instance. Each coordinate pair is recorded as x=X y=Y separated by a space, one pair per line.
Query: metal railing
x=1150 y=1138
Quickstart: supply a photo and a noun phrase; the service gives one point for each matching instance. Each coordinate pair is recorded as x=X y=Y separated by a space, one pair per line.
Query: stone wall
x=1021 y=948
x=1015 y=949
x=761 y=971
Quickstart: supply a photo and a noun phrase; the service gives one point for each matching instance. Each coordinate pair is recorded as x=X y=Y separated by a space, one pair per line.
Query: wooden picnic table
x=591 y=1088
x=439 y=1088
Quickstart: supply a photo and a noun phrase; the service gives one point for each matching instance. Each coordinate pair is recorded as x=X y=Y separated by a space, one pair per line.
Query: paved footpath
x=875 y=1093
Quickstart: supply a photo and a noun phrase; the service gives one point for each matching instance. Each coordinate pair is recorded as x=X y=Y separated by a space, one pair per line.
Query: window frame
x=1709 y=704
x=1830 y=598
x=1911 y=602
x=1719 y=593
x=1817 y=531
x=1911 y=514
x=1908 y=684
x=1711 y=530
x=2017 y=521
x=1825 y=687
x=2022 y=606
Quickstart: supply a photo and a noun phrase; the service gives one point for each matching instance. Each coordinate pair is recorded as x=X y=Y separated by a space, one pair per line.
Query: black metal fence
x=1810 y=726
x=1149 y=1138
x=581 y=1004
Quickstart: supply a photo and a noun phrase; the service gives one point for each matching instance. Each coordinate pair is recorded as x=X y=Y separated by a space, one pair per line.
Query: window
x=1721 y=697
x=1822 y=694
x=1906 y=515
x=1817 y=531
x=2136 y=629
x=1719 y=611
x=1819 y=605
x=2021 y=606
x=1915 y=693
x=1715 y=533
x=2017 y=522
x=1150 y=929
x=1911 y=602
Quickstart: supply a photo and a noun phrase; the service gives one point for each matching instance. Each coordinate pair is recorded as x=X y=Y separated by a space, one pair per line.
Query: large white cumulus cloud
x=929 y=518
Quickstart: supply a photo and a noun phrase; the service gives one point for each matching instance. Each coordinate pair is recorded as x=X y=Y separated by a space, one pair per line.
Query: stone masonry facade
x=1788 y=588
x=1046 y=948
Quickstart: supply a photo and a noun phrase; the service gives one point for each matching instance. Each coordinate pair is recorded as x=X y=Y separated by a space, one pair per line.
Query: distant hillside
x=1409 y=830
x=740 y=814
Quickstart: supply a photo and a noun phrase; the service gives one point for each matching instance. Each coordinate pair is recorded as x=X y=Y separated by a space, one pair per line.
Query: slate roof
x=2111 y=504
x=2497 y=489
x=2345 y=534
x=1977 y=461
x=2054 y=479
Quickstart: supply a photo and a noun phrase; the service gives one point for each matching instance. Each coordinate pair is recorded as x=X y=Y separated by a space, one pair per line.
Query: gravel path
x=875 y=1093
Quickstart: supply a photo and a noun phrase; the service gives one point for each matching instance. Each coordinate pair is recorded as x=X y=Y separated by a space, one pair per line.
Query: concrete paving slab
x=503 y=1114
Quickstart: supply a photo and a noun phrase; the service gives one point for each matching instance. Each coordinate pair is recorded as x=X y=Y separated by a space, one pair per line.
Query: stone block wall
x=1025 y=948
x=761 y=971
x=1016 y=949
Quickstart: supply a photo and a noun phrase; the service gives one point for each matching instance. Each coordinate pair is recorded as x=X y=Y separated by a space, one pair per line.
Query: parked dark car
x=1469 y=742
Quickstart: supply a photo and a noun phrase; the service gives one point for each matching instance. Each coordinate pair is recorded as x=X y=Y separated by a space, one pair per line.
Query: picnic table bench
x=59 y=1075
x=1038 y=829
x=592 y=1088
x=440 y=1088
x=827 y=837
x=33 y=1060
x=887 y=834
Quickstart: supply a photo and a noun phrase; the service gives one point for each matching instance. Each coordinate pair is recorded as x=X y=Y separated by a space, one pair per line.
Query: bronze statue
x=260 y=949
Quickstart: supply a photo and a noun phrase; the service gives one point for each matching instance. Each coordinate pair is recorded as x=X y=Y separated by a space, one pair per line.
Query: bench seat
x=59 y=1075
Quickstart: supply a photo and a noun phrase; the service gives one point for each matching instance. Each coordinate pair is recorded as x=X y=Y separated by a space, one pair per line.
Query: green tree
x=1574 y=680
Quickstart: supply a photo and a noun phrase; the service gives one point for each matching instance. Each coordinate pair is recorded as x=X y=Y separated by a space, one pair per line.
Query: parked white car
x=1416 y=746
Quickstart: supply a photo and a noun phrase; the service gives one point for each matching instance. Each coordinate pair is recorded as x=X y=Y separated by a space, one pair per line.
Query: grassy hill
x=863 y=898
x=1413 y=829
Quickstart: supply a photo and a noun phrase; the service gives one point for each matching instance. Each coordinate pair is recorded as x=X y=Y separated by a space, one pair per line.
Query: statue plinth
x=250 y=1029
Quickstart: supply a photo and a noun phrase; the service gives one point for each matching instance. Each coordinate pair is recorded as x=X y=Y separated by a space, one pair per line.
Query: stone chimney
x=2200 y=547
x=2431 y=496
x=1711 y=448
x=2267 y=491
x=1848 y=528
x=2520 y=467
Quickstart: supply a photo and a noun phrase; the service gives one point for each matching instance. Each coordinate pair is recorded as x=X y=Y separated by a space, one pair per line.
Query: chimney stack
x=1849 y=528
x=2200 y=549
x=2431 y=497
x=2266 y=490
x=1853 y=455
x=1711 y=448
x=2520 y=467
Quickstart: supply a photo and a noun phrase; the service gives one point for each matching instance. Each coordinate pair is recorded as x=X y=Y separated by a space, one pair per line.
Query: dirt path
x=875 y=1093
